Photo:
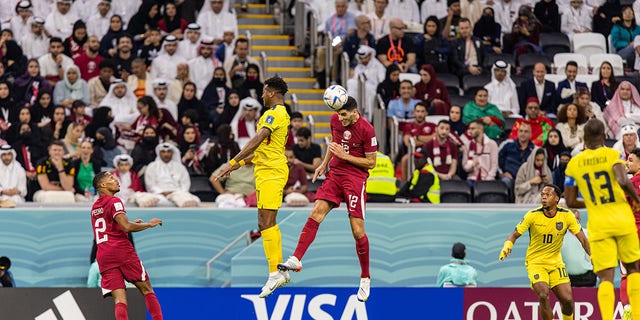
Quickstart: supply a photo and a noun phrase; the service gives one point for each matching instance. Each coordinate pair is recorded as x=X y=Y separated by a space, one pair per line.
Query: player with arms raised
x=351 y=154
x=547 y=226
x=266 y=151
x=601 y=177
x=117 y=259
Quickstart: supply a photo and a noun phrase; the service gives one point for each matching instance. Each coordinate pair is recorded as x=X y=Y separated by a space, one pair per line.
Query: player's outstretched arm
x=584 y=242
x=245 y=153
x=508 y=245
x=136 y=225
x=624 y=182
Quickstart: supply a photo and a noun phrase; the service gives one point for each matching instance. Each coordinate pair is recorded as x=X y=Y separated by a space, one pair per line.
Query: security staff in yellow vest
x=425 y=184
x=381 y=184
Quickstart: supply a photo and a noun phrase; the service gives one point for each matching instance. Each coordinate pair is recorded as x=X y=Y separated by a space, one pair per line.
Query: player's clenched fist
x=506 y=249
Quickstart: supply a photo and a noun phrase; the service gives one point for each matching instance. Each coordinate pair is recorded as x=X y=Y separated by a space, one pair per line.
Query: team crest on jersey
x=347 y=135
x=559 y=225
x=269 y=119
x=118 y=206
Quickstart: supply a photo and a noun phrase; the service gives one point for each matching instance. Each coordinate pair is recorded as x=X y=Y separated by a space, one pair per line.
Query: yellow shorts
x=606 y=252
x=270 y=187
x=552 y=275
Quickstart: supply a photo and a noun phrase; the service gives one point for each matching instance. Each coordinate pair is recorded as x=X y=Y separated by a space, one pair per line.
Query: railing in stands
x=380 y=122
x=313 y=38
x=281 y=14
x=393 y=140
x=250 y=40
x=344 y=70
x=365 y=108
x=328 y=58
x=312 y=125
x=300 y=26
x=265 y=63
x=294 y=102
x=410 y=163
x=245 y=235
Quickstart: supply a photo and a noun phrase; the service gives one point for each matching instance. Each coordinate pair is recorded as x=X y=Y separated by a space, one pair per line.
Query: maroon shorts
x=351 y=191
x=114 y=278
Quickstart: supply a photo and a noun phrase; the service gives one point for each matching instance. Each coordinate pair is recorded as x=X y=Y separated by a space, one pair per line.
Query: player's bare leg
x=565 y=296
x=362 y=250
x=542 y=291
x=272 y=243
x=606 y=295
x=150 y=299
x=120 y=300
x=320 y=210
x=633 y=287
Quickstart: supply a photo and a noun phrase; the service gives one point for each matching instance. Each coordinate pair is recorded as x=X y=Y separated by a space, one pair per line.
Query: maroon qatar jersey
x=414 y=129
x=356 y=140
x=114 y=247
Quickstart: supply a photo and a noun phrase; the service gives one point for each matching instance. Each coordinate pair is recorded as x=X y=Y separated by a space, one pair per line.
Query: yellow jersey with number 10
x=270 y=152
x=592 y=172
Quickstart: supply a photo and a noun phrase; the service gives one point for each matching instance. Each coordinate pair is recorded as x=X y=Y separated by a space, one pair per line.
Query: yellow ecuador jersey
x=546 y=234
x=270 y=153
x=592 y=172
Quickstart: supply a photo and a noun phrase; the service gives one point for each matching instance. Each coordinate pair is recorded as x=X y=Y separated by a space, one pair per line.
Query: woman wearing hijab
x=42 y=110
x=525 y=32
x=13 y=58
x=108 y=41
x=189 y=145
x=146 y=18
x=171 y=22
x=431 y=47
x=488 y=112
x=102 y=118
x=389 y=89
x=432 y=92
x=8 y=108
x=548 y=14
x=489 y=31
x=145 y=150
x=74 y=45
x=532 y=177
x=222 y=151
x=188 y=101
x=215 y=94
x=27 y=87
x=554 y=147
x=230 y=109
x=252 y=87
x=624 y=104
x=71 y=88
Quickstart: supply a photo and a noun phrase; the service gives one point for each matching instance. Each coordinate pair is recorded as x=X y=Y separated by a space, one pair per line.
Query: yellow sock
x=567 y=317
x=633 y=291
x=272 y=243
x=606 y=299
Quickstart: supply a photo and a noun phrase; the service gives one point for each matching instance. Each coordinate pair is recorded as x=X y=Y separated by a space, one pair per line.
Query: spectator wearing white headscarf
x=201 y=67
x=164 y=65
x=13 y=179
x=59 y=23
x=168 y=179
x=243 y=124
x=502 y=90
x=214 y=18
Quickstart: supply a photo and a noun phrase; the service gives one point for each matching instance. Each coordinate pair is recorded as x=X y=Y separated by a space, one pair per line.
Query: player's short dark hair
x=303 y=132
x=98 y=178
x=571 y=63
x=593 y=128
x=636 y=152
x=555 y=188
x=350 y=105
x=277 y=84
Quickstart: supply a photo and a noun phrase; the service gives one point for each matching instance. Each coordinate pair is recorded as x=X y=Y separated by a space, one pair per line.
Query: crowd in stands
x=162 y=92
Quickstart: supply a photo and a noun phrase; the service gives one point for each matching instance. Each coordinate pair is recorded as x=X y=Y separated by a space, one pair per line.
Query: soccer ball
x=335 y=97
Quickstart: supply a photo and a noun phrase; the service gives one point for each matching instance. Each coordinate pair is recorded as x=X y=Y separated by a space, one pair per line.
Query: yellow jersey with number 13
x=270 y=153
x=592 y=172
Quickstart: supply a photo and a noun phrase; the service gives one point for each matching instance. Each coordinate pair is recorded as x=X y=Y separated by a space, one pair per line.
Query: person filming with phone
x=532 y=176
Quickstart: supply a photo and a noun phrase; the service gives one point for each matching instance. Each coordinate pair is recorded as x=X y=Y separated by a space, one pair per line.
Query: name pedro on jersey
x=593 y=161
x=97 y=212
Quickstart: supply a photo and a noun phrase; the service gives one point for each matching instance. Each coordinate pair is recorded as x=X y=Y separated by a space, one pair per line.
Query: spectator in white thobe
x=502 y=90
x=201 y=67
x=168 y=178
x=164 y=65
x=213 y=20
x=59 y=23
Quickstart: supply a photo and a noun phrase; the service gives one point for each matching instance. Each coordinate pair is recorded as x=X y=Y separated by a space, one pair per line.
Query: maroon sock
x=362 y=249
x=121 y=311
x=306 y=237
x=153 y=306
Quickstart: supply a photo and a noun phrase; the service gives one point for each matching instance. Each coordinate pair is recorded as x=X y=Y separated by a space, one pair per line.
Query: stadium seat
x=528 y=60
x=589 y=43
x=587 y=78
x=454 y=191
x=616 y=61
x=490 y=191
x=561 y=59
x=508 y=125
x=201 y=187
x=490 y=59
x=471 y=83
x=610 y=48
x=452 y=82
x=457 y=100
x=519 y=79
x=555 y=78
x=554 y=43
x=634 y=79
x=413 y=77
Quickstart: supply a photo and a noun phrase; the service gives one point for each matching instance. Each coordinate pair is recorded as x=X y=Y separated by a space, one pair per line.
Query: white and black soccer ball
x=335 y=97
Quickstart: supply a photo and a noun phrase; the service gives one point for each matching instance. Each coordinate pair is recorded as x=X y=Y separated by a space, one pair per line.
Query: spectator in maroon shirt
x=89 y=60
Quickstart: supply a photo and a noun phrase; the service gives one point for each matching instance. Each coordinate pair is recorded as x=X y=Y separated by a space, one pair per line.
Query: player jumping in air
x=602 y=179
x=117 y=259
x=351 y=154
x=266 y=151
x=547 y=226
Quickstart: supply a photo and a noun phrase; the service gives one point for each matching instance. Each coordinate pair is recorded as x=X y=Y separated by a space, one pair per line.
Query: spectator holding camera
x=188 y=145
